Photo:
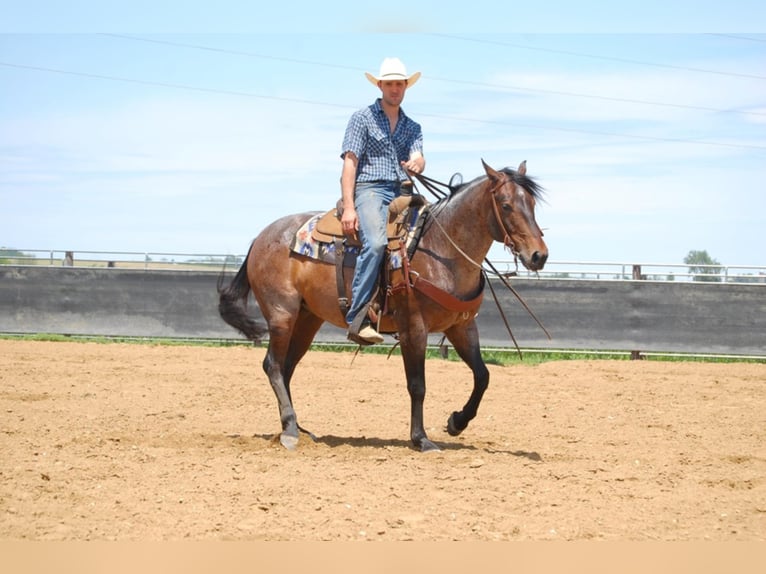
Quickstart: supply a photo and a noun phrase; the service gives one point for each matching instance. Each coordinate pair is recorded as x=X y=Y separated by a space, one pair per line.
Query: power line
x=229 y=51
x=606 y=98
x=595 y=132
x=446 y=80
x=599 y=57
x=738 y=37
x=327 y=104
x=169 y=85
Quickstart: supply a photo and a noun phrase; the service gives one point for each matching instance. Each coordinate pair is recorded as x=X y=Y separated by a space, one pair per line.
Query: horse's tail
x=232 y=304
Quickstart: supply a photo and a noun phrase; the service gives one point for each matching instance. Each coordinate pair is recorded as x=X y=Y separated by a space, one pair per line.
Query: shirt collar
x=379 y=109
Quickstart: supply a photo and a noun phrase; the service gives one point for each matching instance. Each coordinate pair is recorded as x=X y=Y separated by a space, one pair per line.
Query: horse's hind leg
x=304 y=331
x=275 y=367
x=289 y=339
x=465 y=339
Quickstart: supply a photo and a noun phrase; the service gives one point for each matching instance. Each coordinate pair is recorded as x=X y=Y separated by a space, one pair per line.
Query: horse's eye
x=507 y=207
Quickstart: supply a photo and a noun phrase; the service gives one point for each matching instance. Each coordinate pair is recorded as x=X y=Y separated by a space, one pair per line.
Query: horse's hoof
x=452 y=427
x=288 y=441
x=427 y=446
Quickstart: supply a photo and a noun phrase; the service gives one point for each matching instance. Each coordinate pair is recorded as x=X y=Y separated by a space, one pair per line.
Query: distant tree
x=13 y=256
x=702 y=266
x=750 y=278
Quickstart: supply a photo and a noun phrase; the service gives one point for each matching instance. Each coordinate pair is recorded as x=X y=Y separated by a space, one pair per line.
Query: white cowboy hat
x=393 y=69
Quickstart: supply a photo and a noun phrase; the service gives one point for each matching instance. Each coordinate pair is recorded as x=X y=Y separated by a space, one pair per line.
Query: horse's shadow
x=375 y=442
x=333 y=441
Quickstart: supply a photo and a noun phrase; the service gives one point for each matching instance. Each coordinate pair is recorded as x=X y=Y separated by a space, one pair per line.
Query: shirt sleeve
x=355 y=136
x=417 y=141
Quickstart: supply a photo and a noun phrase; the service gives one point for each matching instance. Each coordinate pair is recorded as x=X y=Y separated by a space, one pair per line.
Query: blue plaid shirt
x=379 y=152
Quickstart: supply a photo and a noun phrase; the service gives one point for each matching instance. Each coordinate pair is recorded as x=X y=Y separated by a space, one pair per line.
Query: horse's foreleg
x=413 y=343
x=465 y=339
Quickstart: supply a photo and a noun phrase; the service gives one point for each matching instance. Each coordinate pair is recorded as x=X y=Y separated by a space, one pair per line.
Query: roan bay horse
x=441 y=293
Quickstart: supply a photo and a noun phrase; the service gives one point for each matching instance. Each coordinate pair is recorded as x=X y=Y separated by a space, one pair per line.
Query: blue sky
x=172 y=129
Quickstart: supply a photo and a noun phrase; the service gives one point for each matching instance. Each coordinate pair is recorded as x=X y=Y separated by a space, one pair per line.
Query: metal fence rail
x=119 y=259
x=575 y=270
x=620 y=271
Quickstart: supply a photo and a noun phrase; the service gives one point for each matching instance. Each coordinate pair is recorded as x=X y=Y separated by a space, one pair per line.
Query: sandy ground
x=145 y=443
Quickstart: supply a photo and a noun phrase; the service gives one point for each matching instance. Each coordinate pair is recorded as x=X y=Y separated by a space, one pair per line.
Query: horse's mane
x=525 y=181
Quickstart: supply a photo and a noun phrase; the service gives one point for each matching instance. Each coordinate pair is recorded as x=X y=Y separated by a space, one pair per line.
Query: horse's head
x=513 y=197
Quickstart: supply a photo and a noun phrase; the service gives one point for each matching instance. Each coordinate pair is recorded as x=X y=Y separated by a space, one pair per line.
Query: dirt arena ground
x=145 y=443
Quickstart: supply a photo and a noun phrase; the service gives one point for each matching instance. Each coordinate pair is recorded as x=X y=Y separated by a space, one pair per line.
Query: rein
x=437 y=189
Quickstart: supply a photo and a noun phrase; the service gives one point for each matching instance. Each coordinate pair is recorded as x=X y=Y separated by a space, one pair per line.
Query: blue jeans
x=371 y=201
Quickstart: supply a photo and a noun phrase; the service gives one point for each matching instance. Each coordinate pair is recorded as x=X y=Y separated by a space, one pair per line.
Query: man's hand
x=349 y=221
x=413 y=165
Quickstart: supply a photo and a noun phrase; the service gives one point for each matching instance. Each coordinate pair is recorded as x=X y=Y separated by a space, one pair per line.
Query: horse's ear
x=522 y=168
x=490 y=172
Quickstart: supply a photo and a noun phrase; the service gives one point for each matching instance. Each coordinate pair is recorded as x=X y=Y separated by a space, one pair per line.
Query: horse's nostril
x=539 y=258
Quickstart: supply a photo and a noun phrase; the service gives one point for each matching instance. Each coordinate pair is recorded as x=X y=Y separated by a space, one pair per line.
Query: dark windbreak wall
x=720 y=318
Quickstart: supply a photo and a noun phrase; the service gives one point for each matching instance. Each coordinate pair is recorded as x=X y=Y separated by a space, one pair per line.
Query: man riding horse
x=380 y=146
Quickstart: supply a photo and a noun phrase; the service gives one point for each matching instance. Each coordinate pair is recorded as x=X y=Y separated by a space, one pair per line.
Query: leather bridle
x=507 y=241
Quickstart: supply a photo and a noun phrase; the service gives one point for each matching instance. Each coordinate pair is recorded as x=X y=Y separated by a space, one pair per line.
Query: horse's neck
x=460 y=232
